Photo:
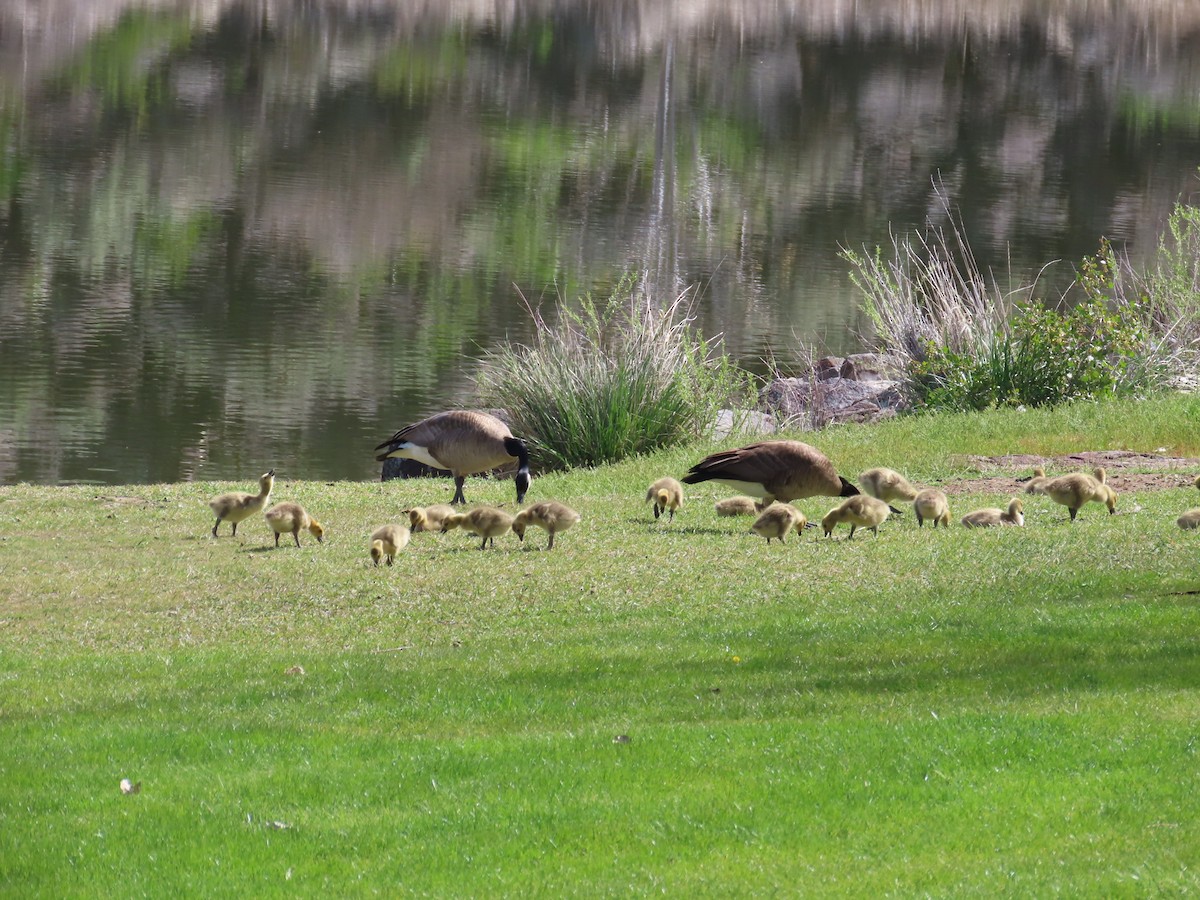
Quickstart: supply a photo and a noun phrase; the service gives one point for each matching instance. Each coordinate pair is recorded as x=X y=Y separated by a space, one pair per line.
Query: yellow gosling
x=932 y=504
x=550 y=515
x=667 y=494
x=236 y=506
x=387 y=541
x=1076 y=489
x=887 y=485
x=861 y=511
x=428 y=518
x=285 y=518
x=992 y=516
x=777 y=520
x=486 y=522
x=739 y=506
x=1189 y=520
x=1037 y=484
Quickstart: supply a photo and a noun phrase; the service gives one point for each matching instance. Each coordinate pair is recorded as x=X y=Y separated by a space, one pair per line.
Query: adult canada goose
x=464 y=442
x=485 y=521
x=1076 y=489
x=773 y=470
x=291 y=517
x=386 y=541
x=777 y=520
x=1037 y=484
x=932 y=504
x=739 y=506
x=886 y=485
x=860 y=511
x=550 y=515
x=428 y=518
x=237 y=506
x=992 y=516
x=667 y=495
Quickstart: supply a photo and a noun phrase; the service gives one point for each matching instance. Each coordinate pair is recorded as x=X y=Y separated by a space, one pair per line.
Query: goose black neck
x=517 y=448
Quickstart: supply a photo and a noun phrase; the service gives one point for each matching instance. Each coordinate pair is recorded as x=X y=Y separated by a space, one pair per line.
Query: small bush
x=611 y=380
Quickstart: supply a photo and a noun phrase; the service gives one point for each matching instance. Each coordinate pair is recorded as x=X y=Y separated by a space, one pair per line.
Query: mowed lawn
x=651 y=707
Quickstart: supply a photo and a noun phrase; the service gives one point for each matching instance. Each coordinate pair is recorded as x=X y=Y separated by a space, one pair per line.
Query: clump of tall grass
x=612 y=379
x=968 y=345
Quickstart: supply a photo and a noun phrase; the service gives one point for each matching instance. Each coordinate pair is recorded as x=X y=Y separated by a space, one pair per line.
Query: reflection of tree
x=353 y=196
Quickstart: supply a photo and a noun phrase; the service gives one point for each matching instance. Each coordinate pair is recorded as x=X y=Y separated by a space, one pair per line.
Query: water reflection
x=237 y=235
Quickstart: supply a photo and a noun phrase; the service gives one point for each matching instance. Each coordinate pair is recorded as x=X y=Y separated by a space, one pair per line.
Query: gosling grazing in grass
x=290 y=517
x=887 y=485
x=667 y=495
x=777 y=520
x=861 y=511
x=387 y=541
x=1037 y=484
x=739 y=506
x=237 y=506
x=932 y=504
x=428 y=518
x=550 y=515
x=773 y=470
x=992 y=516
x=464 y=442
x=1076 y=489
x=1191 y=518
x=486 y=522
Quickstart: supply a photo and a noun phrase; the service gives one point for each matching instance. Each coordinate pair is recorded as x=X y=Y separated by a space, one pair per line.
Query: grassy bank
x=947 y=712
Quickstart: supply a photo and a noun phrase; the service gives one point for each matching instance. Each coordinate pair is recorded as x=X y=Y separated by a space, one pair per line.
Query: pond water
x=240 y=234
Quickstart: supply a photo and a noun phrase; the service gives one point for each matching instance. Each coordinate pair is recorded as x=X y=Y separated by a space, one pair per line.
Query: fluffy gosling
x=932 y=504
x=777 y=520
x=667 y=495
x=486 y=522
x=861 y=511
x=1191 y=518
x=387 y=541
x=550 y=515
x=428 y=518
x=237 y=506
x=1037 y=484
x=887 y=485
x=291 y=517
x=992 y=516
x=739 y=506
x=1076 y=489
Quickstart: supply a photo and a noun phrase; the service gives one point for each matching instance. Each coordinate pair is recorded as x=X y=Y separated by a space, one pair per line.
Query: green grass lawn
x=949 y=712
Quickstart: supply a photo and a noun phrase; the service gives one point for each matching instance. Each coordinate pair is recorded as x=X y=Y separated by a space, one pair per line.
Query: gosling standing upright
x=773 y=470
x=667 y=495
x=288 y=517
x=932 y=504
x=860 y=511
x=387 y=541
x=463 y=442
x=237 y=506
x=887 y=485
x=485 y=521
x=777 y=520
x=1076 y=489
x=550 y=515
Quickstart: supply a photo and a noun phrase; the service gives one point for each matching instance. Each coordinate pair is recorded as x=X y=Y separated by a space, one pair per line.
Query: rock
x=742 y=421
x=815 y=404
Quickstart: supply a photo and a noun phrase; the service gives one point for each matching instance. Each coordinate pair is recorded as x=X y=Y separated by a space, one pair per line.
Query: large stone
x=814 y=404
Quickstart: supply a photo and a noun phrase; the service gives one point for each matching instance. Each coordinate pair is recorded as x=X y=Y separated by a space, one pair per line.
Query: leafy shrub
x=611 y=380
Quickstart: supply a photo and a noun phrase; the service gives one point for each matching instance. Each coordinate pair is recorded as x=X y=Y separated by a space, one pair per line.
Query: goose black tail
x=848 y=490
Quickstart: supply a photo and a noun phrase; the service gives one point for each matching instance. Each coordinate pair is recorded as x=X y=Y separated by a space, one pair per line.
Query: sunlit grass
x=950 y=712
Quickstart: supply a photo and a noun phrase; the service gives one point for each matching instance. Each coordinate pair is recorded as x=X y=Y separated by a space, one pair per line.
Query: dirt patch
x=1127 y=471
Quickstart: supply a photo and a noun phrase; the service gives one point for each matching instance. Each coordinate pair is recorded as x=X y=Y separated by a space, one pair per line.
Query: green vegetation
x=612 y=380
x=927 y=712
x=967 y=345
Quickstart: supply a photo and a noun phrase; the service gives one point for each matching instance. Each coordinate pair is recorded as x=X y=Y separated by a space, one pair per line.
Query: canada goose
x=387 y=540
x=932 y=504
x=485 y=521
x=667 y=494
x=859 y=511
x=1076 y=489
x=887 y=485
x=464 y=442
x=739 y=506
x=428 y=518
x=777 y=520
x=291 y=517
x=773 y=470
x=1037 y=484
x=987 y=518
x=237 y=506
x=550 y=515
